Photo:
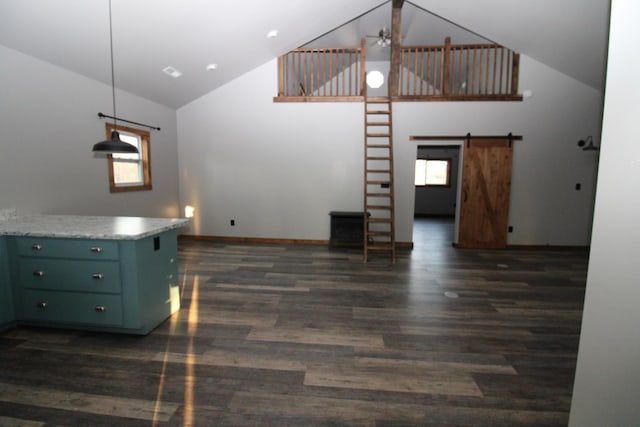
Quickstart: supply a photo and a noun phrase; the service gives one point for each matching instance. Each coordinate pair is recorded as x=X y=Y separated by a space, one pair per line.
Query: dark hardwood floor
x=274 y=335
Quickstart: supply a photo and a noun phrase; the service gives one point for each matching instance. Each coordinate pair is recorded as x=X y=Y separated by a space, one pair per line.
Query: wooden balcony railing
x=458 y=72
x=328 y=74
x=473 y=72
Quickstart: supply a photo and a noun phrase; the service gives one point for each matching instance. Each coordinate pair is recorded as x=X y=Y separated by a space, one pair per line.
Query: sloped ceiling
x=419 y=28
x=570 y=36
x=149 y=35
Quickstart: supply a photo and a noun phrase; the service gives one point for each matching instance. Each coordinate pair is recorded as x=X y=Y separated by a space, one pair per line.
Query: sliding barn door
x=486 y=184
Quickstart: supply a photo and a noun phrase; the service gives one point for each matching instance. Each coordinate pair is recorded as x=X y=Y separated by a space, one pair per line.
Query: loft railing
x=322 y=74
x=458 y=72
x=472 y=72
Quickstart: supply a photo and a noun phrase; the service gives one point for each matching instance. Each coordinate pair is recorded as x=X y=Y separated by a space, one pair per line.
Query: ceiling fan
x=383 y=37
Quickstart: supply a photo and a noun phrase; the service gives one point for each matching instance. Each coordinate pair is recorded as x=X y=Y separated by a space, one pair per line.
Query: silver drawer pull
x=36 y=247
x=96 y=249
x=98 y=276
x=42 y=305
x=38 y=273
x=101 y=308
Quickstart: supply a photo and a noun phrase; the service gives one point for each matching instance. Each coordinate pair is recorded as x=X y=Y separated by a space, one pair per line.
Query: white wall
x=278 y=169
x=49 y=123
x=383 y=67
x=607 y=384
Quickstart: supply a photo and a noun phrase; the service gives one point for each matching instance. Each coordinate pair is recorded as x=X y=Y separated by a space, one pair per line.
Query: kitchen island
x=113 y=274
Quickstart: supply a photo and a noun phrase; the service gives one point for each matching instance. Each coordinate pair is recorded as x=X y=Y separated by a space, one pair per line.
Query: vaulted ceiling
x=149 y=35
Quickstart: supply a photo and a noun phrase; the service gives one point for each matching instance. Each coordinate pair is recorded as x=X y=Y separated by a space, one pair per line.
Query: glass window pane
x=127 y=167
x=437 y=172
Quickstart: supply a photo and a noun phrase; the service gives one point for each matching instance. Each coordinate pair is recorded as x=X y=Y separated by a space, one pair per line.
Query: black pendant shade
x=114 y=145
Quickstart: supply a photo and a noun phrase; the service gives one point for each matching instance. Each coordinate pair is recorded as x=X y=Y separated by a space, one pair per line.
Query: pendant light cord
x=113 y=78
x=113 y=83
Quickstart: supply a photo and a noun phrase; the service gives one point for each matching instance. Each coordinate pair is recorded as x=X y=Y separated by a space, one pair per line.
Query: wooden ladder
x=379 y=234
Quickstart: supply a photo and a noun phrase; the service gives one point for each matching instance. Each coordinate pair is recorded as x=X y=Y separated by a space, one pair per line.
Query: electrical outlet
x=233 y=222
x=510 y=229
x=578 y=186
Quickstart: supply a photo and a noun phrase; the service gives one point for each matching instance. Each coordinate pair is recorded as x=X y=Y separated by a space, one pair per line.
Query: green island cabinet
x=126 y=283
x=6 y=299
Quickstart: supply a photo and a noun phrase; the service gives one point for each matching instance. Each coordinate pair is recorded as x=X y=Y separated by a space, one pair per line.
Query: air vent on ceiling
x=172 y=72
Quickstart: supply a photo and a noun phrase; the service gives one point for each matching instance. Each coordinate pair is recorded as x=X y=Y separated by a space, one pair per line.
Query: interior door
x=486 y=184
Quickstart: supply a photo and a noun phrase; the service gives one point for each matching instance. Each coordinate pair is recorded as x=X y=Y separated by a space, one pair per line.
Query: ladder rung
x=378 y=146
x=378 y=158
x=378 y=100
x=377 y=123
x=380 y=247
x=378 y=194
x=378 y=171
x=380 y=239
x=378 y=135
x=378 y=207
x=379 y=220
x=376 y=182
x=378 y=112
x=379 y=233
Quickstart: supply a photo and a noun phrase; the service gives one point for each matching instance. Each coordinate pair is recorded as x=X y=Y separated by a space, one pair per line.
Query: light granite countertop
x=88 y=227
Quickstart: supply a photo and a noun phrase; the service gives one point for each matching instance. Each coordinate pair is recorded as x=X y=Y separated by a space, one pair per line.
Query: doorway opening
x=436 y=193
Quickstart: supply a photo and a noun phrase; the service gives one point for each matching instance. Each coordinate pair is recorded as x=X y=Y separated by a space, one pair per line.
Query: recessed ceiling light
x=172 y=72
x=272 y=34
x=212 y=67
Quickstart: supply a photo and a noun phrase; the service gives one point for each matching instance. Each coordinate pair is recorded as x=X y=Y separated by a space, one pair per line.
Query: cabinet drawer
x=69 y=275
x=69 y=307
x=67 y=248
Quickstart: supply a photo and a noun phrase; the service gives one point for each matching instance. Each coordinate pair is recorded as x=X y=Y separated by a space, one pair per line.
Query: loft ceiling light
x=114 y=144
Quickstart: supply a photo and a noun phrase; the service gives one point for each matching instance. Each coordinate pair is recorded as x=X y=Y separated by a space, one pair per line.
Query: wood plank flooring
x=274 y=335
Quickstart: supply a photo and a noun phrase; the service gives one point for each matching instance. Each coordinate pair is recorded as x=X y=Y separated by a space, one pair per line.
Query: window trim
x=442 y=159
x=145 y=154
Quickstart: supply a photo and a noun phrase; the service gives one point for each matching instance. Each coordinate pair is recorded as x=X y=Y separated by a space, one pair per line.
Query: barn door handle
x=466 y=195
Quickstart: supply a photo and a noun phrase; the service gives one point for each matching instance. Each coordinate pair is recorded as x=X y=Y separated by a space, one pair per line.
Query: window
x=130 y=171
x=433 y=172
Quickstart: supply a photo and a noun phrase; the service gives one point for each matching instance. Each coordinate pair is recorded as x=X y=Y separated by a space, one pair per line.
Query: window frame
x=441 y=159
x=145 y=162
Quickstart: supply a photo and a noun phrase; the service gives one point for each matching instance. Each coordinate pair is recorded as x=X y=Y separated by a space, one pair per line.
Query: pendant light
x=114 y=144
